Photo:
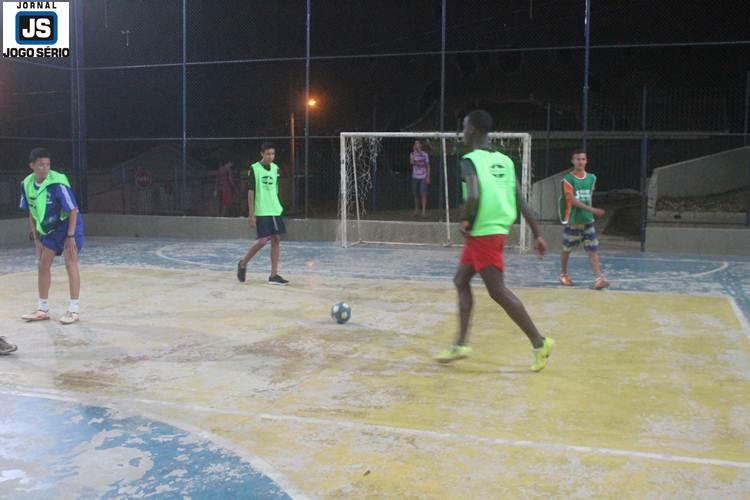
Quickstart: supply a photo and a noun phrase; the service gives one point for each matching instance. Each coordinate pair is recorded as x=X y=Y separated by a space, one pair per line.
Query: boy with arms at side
x=264 y=213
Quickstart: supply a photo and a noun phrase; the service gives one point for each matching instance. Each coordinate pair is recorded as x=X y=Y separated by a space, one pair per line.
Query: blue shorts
x=419 y=187
x=55 y=240
x=573 y=235
x=269 y=225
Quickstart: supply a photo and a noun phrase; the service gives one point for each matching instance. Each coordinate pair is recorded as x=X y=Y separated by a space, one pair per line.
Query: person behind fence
x=56 y=228
x=420 y=176
x=577 y=215
x=225 y=187
x=264 y=213
x=492 y=203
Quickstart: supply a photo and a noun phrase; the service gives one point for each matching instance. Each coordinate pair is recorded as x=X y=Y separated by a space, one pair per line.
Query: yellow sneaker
x=541 y=355
x=454 y=353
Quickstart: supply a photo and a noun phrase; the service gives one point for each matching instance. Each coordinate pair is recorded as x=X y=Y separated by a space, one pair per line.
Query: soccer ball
x=341 y=312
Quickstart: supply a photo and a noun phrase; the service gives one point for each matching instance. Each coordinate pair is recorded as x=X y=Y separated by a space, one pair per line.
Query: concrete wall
x=697 y=218
x=14 y=231
x=545 y=196
x=713 y=174
x=163 y=226
x=434 y=233
x=154 y=226
x=701 y=241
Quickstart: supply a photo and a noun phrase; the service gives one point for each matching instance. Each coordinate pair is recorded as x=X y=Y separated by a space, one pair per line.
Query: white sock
x=74 y=304
x=43 y=305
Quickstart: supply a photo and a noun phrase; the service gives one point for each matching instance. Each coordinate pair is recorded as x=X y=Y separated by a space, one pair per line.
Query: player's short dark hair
x=266 y=146
x=38 y=153
x=577 y=152
x=481 y=120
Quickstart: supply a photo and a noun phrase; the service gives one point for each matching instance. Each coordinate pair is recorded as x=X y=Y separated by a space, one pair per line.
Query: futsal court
x=179 y=381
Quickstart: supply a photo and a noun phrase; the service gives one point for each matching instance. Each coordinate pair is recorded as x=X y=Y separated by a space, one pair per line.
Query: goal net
x=379 y=202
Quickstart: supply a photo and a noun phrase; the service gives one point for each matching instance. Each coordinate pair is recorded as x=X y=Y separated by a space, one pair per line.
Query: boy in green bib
x=57 y=229
x=492 y=204
x=264 y=213
x=577 y=214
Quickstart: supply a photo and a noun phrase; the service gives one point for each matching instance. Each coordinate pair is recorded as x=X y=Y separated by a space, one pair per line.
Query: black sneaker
x=5 y=347
x=277 y=280
x=241 y=272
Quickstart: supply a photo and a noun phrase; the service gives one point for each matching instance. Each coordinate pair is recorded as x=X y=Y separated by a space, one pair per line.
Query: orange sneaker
x=565 y=280
x=37 y=315
x=601 y=283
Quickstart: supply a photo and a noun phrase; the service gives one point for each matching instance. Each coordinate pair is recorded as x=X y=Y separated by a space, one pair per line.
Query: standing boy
x=420 y=176
x=577 y=214
x=265 y=212
x=225 y=187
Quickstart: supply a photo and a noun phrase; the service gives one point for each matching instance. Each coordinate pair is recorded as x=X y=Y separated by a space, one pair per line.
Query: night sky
x=376 y=65
x=256 y=98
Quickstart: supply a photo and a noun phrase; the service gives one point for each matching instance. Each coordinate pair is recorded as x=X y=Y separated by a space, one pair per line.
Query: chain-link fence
x=167 y=91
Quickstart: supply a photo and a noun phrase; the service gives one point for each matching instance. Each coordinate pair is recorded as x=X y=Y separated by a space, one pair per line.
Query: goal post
x=359 y=153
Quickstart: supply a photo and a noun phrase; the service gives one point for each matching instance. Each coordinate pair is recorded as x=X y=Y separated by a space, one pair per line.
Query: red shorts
x=484 y=251
x=226 y=197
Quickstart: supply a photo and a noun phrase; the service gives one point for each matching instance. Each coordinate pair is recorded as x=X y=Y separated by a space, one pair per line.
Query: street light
x=312 y=103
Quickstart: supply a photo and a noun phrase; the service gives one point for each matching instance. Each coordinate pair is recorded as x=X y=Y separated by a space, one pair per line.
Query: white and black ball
x=341 y=312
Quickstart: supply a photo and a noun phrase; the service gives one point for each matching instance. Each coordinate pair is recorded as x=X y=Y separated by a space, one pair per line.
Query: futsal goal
x=375 y=177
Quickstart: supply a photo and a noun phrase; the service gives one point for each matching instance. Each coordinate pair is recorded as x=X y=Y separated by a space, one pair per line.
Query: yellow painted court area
x=645 y=394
